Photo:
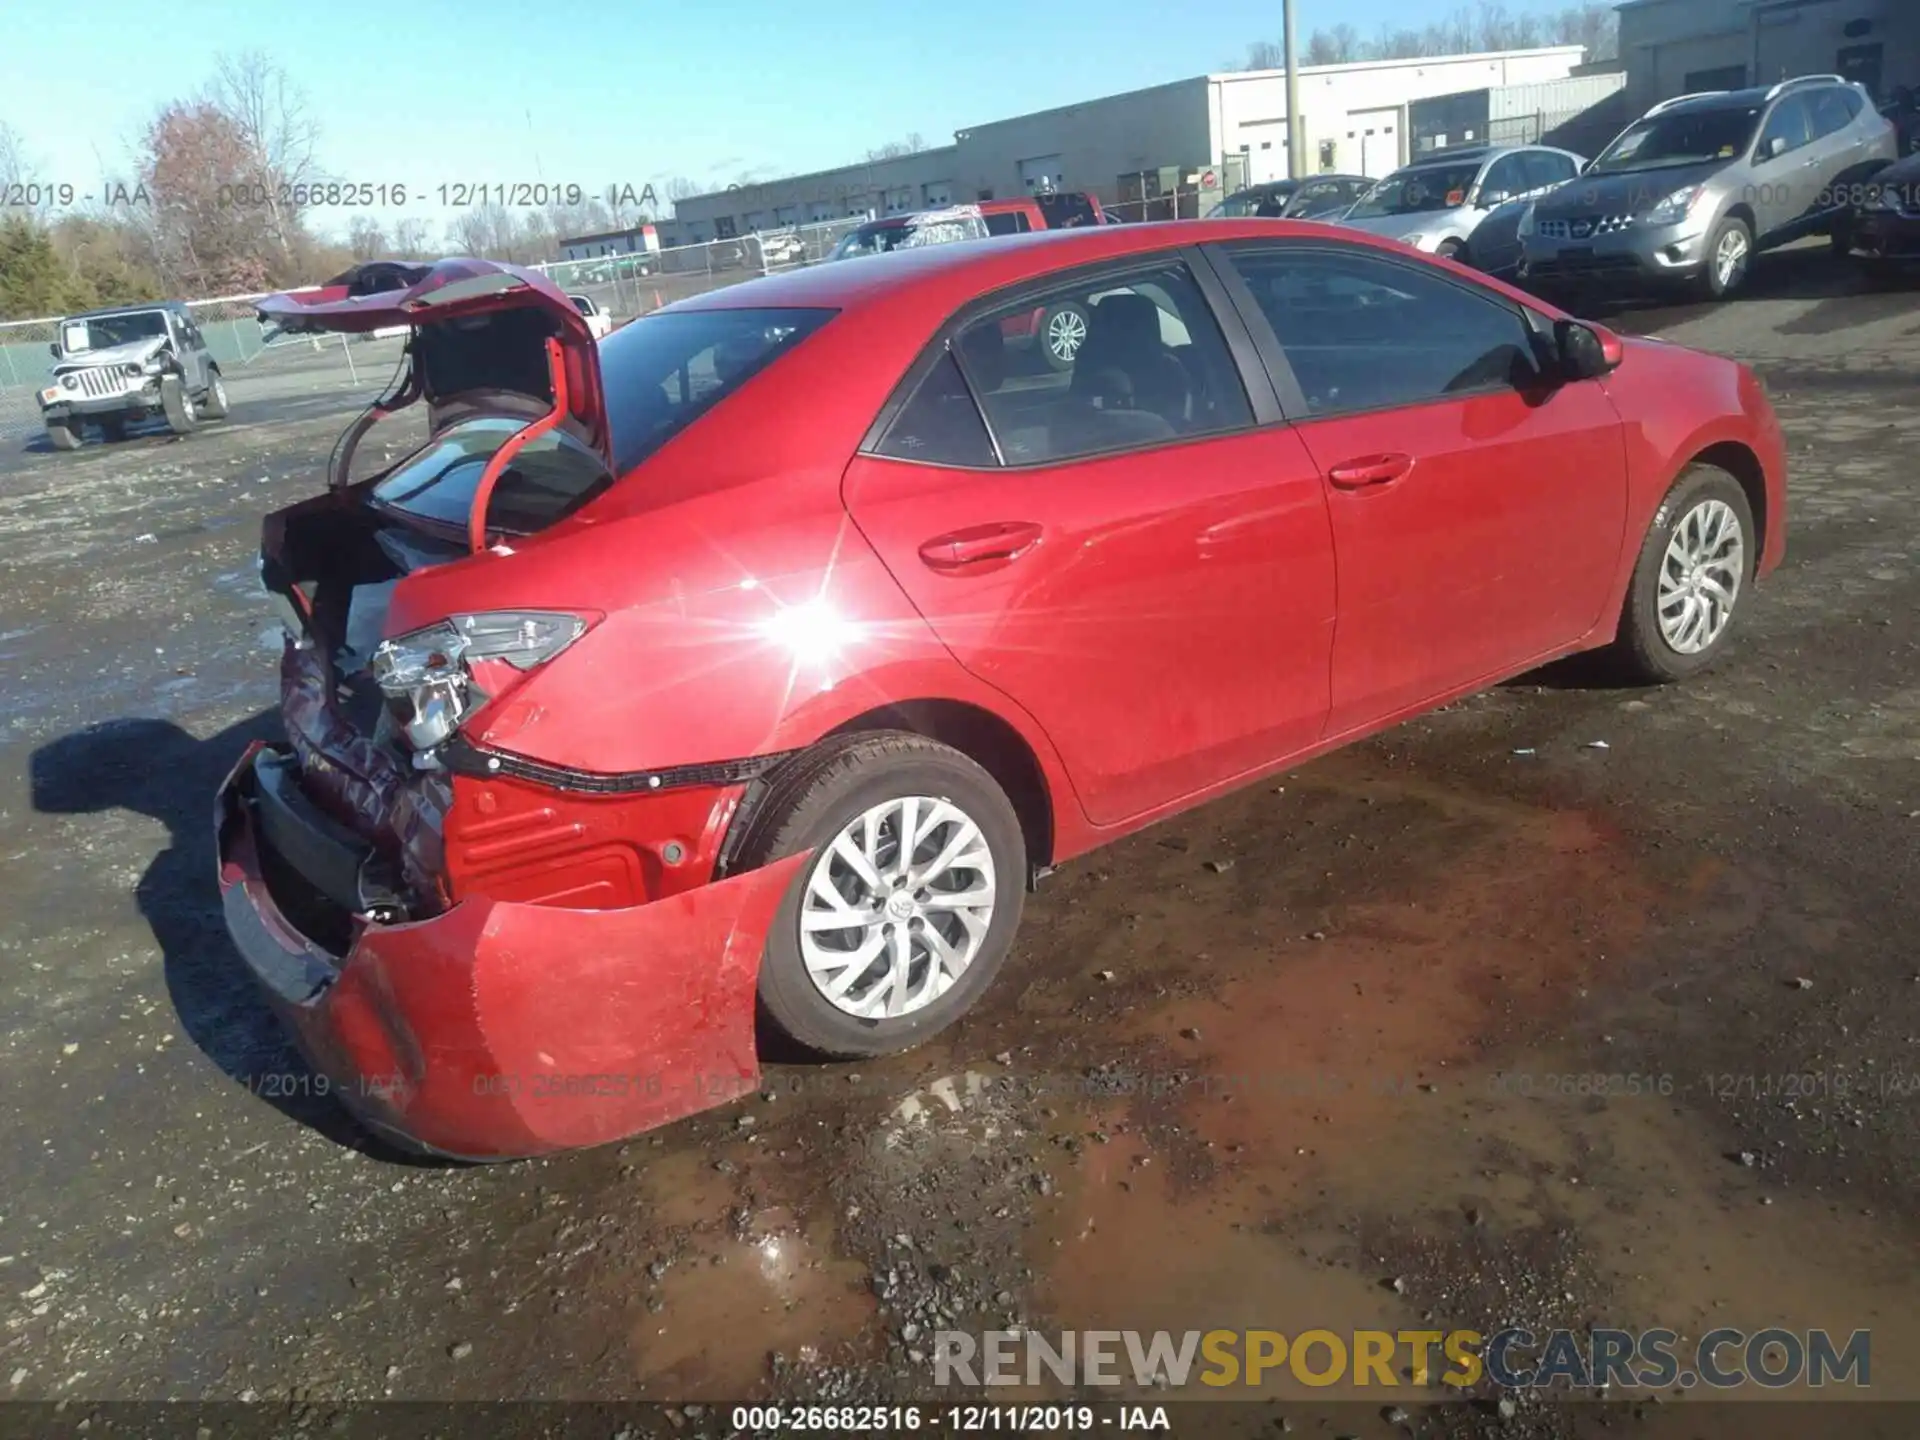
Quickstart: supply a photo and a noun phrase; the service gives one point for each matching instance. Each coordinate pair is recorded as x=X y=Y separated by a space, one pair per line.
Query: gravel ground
x=1297 y=1060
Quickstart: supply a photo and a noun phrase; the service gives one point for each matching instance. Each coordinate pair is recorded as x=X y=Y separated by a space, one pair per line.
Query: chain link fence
x=629 y=285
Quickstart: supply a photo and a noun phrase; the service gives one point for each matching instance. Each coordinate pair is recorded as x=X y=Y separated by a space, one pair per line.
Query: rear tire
x=1673 y=625
x=62 y=435
x=182 y=417
x=1840 y=237
x=847 y=801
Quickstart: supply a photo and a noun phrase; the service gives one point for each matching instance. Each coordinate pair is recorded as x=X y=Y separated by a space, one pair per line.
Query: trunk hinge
x=483 y=492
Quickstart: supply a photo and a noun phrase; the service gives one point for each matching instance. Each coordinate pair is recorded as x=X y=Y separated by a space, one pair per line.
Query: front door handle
x=1370 y=470
x=980 y=546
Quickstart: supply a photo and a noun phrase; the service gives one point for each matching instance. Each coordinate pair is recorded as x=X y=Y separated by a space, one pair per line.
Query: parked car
x=1438 y=202
x=907 y=232
x=781 y=247
x=1885 y=230
x=755 y=660
x=1691 y=191
x=116 y=366
x=599 y=318
x=1497 y=248
x=1313 y=198
x=1049 y=210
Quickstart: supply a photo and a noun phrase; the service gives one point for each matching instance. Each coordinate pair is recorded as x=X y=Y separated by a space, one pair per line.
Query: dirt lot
x=1327 y=1085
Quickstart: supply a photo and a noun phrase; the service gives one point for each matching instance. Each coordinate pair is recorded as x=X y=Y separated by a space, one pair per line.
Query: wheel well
x=988 y=741
x=1741 y=463
x=1744 y=212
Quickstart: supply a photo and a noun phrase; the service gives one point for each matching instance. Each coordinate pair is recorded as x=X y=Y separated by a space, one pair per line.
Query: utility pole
x=1296 y=147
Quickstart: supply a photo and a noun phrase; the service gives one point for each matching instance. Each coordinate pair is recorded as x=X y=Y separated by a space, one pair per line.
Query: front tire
x=213 y=404
x=63 y=435
x=1729 y=258
x=183 y=418
x=1695 y=567
x=1454 y=250
x=883 y=941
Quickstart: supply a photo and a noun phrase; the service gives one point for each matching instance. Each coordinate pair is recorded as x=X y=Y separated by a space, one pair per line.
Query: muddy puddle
x=1358 y=1109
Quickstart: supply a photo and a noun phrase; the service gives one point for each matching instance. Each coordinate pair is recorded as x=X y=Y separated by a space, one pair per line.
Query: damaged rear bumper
x=496 y=1029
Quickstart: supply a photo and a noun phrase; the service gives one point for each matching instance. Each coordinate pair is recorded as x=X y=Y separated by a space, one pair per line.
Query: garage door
x=1043 y=172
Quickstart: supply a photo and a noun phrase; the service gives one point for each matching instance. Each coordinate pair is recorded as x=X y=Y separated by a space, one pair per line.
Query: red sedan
x=750 y=664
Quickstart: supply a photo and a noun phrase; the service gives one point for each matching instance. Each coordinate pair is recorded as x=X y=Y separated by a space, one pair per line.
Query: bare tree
x=411 y=239
x=366 y=238
x=894 y=149
x=1492 y=26
x=278 y=130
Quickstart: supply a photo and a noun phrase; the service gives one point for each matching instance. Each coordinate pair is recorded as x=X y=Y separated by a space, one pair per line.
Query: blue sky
x=431 y=92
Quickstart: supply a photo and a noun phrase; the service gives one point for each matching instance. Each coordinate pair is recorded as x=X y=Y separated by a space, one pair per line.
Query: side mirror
x=53 y=348
x=1490 y=199
x=1586 y=351
x=1776 y=147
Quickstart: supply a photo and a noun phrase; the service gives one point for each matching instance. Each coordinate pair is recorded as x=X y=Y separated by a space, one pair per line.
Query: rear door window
x=1008 y=222
x=1154 y=368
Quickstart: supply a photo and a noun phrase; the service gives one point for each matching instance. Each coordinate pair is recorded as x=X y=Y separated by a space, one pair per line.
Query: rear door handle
x=980 y=546
x=1370 y=470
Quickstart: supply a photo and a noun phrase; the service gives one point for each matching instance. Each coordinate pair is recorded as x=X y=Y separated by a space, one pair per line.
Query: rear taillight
x=428 y=674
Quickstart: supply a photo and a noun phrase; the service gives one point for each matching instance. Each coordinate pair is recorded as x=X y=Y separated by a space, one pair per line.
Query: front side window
x=1414 y=192
x=1153 y=368
x=1008 y=222
x=1688 y=137
x=1786 y=129
x=662 y=372
x=1361 y=332
x=1505 y=178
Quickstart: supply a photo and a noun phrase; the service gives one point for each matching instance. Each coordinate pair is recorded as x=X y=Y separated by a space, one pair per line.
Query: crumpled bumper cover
x=499 y=1030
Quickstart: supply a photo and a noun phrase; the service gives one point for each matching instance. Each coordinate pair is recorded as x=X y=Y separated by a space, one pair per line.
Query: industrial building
x=1159 y=151
x=1676 y=47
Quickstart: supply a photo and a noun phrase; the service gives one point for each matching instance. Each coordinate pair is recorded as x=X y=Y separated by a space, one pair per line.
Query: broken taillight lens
x=428 y=673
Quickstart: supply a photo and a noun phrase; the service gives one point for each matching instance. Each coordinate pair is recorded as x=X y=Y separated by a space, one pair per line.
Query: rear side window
x=662 y=372
x=1010 y=222
x=1364 y=333
x=941 y=425
x=1830 y=112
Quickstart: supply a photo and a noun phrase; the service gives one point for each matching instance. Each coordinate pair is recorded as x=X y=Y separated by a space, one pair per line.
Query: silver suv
x=1700 y=183
x=1436 y=203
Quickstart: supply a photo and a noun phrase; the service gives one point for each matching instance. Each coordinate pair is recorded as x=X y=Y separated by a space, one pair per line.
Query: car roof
x=133 y=308
x=949 y=275
x=1749 y=99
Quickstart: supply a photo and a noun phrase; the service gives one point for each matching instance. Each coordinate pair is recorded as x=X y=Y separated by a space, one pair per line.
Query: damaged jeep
x=114 y=367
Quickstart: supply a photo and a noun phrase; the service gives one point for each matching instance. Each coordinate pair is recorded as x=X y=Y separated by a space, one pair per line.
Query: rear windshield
x=1063 y=211
x=552 y=476
x=662 y=372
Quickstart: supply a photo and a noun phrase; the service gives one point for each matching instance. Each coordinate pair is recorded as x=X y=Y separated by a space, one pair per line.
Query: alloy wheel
x=1066 y=332
x=1730 y=258
x=896 y=907
x=1700 y=577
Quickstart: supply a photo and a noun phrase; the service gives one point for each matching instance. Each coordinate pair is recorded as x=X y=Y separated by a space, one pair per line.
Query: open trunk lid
x=483 y=332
